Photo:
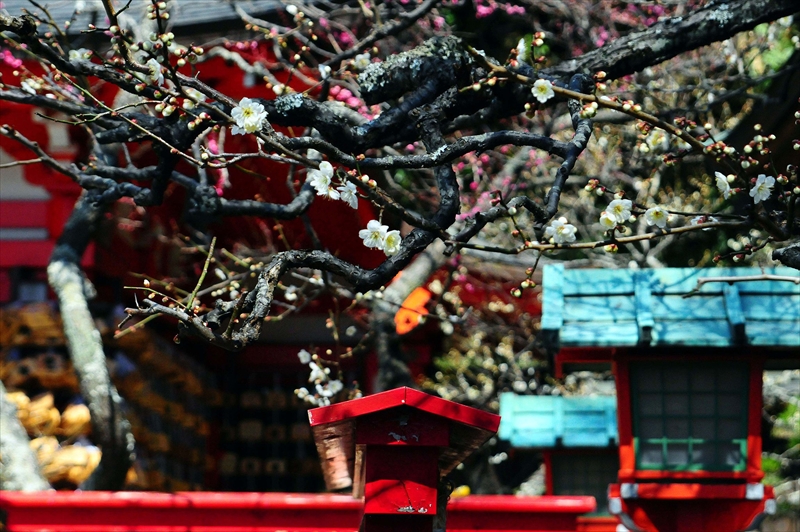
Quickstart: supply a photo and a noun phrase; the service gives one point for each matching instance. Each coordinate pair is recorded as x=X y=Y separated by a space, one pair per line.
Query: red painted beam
x=266 y=512
x=198 y=512
x=517 y=514
x=23 y=214
x=30 y=253
x=34 y=253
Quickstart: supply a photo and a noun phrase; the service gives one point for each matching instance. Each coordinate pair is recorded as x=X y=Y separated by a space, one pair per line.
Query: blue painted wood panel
x=538 y=421
x=606 y=308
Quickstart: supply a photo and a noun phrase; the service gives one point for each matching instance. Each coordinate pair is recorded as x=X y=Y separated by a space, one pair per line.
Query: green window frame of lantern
x=690 y=415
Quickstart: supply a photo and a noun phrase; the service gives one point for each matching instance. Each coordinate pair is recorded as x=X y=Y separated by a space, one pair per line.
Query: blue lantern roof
x=545 y=421
x=618 y=308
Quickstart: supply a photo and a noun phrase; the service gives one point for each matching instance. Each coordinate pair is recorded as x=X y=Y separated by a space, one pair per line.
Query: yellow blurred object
x=460 y=491
x=73 y=463
x=44 y=448
x=40 y=417
x=75 y=420
x=136 y=478
x=19 y=399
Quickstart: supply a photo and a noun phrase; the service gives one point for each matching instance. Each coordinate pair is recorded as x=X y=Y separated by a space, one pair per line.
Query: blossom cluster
x=325 y=388
x=322 y=181
x=761 y=191
x=378 y=236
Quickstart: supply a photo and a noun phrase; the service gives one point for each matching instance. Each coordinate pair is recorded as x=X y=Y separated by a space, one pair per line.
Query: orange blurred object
x=407 y=318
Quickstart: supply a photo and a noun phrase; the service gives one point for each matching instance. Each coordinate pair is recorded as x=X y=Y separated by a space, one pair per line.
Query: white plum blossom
x=30 y=86
x=523 y=51
x=321 y=180
x=446 y=327
x=348 y=194
x=330 y=389
x=317 y=373
x=374 y=235
x=608 y=220
x=155 y=75
x=80 y=53
x=290 y=294
x=361 y=61
x=391 y=243
x=291 y=9
x=542 y=90
x=763 y=188
x=620 y=209
x=656 y=216
x=336 y=386
x=304 y=356
x=249 y=116
x=560 y=232
x=722 y=184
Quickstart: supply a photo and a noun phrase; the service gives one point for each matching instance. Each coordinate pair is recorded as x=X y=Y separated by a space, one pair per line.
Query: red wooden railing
x=267 y=512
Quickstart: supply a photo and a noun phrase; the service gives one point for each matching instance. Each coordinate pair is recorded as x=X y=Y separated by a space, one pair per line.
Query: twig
x=190 y=301
x=742 y=279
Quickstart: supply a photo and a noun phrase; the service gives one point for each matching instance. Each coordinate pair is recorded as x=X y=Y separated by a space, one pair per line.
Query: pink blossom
x=344 y=38
x=9 y=59
x=483 y=11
